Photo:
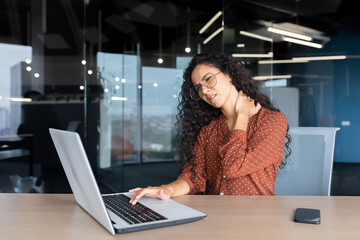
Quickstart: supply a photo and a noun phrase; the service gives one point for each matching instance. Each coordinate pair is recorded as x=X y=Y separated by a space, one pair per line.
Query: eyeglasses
x=209 y=81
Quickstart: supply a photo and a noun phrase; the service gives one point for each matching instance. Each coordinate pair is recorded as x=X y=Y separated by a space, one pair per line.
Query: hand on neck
x=228 y=109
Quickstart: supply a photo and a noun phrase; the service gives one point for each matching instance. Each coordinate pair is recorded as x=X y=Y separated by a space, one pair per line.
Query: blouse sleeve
x=242 y=157
x=195 y=174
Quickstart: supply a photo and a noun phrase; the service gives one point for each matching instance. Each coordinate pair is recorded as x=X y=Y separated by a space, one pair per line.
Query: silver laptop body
x=86 y=192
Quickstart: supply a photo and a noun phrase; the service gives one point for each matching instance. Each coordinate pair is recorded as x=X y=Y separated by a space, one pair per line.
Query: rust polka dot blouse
x=238 y=162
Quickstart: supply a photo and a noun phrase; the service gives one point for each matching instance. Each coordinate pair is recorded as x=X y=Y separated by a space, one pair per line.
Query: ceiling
x=127 y=22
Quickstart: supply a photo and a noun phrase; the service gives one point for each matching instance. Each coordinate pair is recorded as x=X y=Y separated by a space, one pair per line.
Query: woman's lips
x=212 y=97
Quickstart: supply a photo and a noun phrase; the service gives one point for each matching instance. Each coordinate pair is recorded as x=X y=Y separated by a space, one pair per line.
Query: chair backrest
x=309 y=167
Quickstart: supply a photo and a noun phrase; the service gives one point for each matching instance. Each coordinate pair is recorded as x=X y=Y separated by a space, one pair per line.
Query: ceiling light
x=28 y=68
x=210 y=22
x=250 y=55
x=20 y=99
x=321 y=58
x=81 y=87
x=213 y=35
x=253 y=35
x=28 y=61
x=290 y=34
x=304 y=59
x=187 y=49
x=282 y=61
x=160 y=60
x=306 y=31
x=276 y=83
x=36 y=75
x=240 y=45
x=301 y=42
x=271 y=77
x=119 y=98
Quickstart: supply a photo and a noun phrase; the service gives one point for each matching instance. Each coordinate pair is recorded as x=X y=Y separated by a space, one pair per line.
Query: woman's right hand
x=246 y=106
x=163 y=192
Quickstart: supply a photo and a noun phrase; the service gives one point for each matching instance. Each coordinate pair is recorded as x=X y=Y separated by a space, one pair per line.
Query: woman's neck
x=228 y=109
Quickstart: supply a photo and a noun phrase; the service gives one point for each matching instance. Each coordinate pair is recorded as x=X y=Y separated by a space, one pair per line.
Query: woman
x=231 y=137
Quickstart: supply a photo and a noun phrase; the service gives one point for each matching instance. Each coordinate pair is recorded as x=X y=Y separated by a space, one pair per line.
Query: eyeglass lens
x=209 y=81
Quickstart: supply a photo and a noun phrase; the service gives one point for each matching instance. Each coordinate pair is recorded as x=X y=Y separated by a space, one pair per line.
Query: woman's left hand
x=245 y=106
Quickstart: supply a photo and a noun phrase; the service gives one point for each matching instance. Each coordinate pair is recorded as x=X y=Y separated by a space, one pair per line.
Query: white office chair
x=310 y=164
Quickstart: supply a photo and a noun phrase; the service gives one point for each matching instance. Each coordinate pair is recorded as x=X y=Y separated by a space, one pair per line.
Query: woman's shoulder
x=270 y=116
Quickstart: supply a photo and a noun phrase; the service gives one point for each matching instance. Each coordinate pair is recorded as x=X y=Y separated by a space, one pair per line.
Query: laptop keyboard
x=132 y=214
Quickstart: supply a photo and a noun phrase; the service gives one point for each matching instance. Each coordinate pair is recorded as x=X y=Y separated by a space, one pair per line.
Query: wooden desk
x=57 y=216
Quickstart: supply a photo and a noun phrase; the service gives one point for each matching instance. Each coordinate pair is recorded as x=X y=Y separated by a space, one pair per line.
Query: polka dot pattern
x=238 y=162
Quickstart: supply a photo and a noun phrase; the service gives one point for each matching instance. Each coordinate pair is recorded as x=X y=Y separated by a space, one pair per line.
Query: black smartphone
x=307 y=215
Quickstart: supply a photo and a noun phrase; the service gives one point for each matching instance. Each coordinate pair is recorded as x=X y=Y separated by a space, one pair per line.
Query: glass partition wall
x=112 y=71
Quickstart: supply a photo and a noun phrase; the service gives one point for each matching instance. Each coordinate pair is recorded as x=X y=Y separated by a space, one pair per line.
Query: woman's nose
x=204 y=89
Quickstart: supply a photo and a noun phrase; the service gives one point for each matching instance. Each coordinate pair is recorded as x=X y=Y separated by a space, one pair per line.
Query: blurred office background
x=112 y=70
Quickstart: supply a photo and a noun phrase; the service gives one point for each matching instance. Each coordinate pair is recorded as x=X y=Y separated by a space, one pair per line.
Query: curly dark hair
x=193 y=115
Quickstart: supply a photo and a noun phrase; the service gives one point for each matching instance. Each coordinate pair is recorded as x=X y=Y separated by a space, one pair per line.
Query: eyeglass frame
x=197 y=92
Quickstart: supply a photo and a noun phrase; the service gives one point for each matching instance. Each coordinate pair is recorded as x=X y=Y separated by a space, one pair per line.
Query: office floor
x=8 y=169
x=345 y=181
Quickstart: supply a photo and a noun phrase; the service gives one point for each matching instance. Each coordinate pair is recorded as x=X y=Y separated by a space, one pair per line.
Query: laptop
x=113 y=211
